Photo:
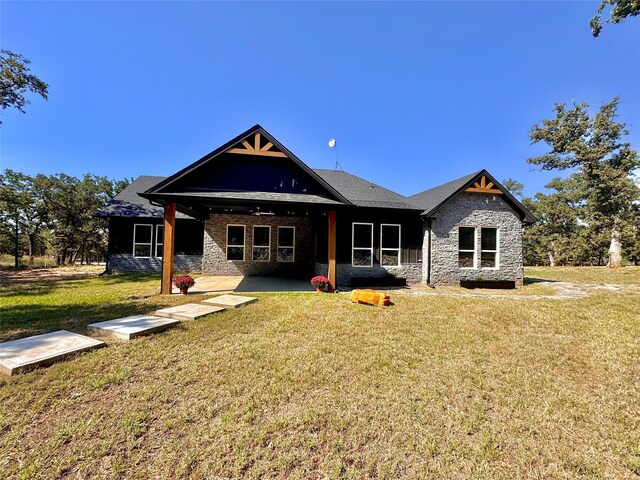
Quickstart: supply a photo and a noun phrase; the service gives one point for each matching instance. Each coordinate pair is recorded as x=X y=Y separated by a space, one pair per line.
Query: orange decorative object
x=370 y=297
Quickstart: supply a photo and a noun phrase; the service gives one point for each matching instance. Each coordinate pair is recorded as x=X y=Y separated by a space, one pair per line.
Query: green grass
x=312 y=386
x=622 y=276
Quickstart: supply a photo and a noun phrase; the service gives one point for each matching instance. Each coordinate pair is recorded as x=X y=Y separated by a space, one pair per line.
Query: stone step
x=127 y=328
x=40 y=350
x=189 y=311
x=230 y=301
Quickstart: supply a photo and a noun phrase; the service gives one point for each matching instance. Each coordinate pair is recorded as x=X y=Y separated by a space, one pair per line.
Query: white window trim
x=244 y=241
x=150 y=243
x=475 y=247
x=254 y=246
x=382 y=250
x=496 y=251
x=155 y=251
x=286 y=246
x=353 y=249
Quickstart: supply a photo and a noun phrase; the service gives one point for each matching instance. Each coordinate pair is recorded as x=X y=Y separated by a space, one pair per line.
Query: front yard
x=312 y=386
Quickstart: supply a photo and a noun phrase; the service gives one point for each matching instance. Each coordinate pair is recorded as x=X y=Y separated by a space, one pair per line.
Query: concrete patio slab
x=255 y=284
x=217 y=284
x=230 y=301
x=189 y=311
x=40 y=350
x=135 y=326
x=212 y=284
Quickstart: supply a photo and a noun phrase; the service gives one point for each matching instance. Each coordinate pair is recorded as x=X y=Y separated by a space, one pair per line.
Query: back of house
x=251 y=207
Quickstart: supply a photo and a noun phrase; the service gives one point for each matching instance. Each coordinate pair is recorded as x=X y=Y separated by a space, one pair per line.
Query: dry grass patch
x=594 y=275
x=312 y=386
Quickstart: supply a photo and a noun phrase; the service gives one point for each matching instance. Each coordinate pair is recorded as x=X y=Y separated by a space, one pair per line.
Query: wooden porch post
x=332 y=250
x=167 y=251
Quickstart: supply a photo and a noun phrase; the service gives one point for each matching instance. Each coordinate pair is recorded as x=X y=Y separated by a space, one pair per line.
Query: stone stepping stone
x=189 y=311
x=230 y=301
x=135 y=326
x=40 y=350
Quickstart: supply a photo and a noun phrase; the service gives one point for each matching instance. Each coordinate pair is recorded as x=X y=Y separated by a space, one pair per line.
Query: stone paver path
x=135 y=326
x=230 y=301
x=189 y=311
x=39 y=350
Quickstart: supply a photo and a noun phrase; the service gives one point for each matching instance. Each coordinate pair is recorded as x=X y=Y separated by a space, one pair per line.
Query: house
x=251 y=207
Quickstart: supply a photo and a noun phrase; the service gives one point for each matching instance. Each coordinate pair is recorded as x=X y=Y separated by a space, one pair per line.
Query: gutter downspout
x=429 y=254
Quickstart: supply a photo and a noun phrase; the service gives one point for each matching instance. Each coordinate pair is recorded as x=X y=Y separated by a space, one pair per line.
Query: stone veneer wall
x=345 y=271
x=474 y=210
x=214 y=259
x=120 y=263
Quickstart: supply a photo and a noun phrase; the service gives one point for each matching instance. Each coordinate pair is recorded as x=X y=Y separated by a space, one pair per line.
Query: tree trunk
x=17 y=245
x=32 y=247
x=552 y=259
x=615 y=249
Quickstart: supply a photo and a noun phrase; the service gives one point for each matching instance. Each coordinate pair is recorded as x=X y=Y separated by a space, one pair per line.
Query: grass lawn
x=312 y=386
x=620 y=276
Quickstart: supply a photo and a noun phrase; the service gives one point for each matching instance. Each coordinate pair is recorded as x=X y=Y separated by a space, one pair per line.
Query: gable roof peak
x=431 y=200
x=258 y=148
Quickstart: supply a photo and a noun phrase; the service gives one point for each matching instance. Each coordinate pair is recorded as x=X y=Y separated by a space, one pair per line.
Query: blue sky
x=416 y=94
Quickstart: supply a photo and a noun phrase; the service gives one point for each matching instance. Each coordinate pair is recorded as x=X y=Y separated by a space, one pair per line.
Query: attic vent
x=256 y=149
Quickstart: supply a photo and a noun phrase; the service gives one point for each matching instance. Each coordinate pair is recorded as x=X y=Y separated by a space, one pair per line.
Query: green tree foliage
x=23 y=215
x=603 y=165
x=565 y=233
x=57 y=211
x=15 y=81
x=620 y=9
x=514 y=187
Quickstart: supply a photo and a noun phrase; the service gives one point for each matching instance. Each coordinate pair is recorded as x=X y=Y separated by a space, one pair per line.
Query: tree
x=15 y=81
x=514 y=187
x=21 y=213
x=72 y=205
x=57 y=211
x=553 y=237
x=620 y=9
x=603 y=164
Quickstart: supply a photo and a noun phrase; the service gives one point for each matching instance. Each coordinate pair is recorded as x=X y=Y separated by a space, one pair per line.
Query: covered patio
x=216 y=284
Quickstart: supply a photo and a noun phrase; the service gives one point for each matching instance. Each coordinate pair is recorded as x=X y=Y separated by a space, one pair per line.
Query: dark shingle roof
x=358 y=191
x=434 y=197
x=363 y=193
x=259 y=196
x=431 y=200
x=129 y=204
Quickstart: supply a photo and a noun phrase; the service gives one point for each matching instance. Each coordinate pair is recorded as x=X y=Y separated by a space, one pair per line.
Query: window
x=235 y=242
x=467 y=247
x=488 y=247
x=261 y=243
x=362 y=241
x=390 y=245
x=159 y=240
x=142 y=240
x=286 y=244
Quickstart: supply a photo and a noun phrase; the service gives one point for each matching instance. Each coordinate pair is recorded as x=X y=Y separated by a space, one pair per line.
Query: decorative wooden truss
x=255 y=148
x=483 y=187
